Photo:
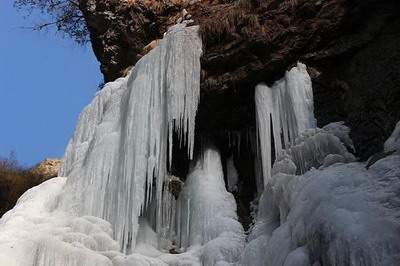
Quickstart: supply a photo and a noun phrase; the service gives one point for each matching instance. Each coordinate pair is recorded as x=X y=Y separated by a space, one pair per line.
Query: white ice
x=288 y=106
x=340 y=215
x=123 y=137
x=208 y=213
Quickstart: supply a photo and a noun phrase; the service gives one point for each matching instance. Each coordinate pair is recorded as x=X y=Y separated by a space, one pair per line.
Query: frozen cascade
x=287 y=106
x=122 y=137
x=116 y=164
x=316 y=206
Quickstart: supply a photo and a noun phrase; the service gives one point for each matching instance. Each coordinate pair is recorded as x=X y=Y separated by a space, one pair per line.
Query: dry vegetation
x=14 y=181
x=236 y=21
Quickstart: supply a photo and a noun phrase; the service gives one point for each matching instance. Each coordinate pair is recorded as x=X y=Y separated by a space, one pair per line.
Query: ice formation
x=124 y=137
x=393 y=142
x=340 y=130
x=340 y=215
x=206 y=232
x=119 y=206
x=207 y=213
x=117 y=160
x=287 y=106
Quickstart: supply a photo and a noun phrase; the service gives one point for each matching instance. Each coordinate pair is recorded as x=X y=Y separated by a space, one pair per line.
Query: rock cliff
x=352 y=49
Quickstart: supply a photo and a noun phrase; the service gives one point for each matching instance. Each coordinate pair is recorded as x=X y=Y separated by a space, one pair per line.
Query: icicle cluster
x=288 y=107
x=117 y=159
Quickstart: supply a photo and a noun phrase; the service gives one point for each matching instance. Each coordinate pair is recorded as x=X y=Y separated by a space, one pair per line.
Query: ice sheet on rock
x=208 y=213
x=312 y=147
x=288 y=107
x=393 y=142
x=123 y=137
x=340 y=130
x=340 y=215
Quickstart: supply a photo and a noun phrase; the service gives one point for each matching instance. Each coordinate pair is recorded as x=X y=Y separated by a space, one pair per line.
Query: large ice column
x=120 y=147
x=288 y=107
x=208 y=213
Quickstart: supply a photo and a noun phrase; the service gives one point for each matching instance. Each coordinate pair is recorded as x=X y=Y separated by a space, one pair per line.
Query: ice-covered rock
x=340 y=130
x=340 y=215
x=312 y=147
x=393 y=142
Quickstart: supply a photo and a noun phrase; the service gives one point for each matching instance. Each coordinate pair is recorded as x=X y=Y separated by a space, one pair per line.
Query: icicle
x=288 y=107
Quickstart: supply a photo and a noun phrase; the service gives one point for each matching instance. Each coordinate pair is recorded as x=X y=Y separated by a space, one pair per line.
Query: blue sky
x=45 y=81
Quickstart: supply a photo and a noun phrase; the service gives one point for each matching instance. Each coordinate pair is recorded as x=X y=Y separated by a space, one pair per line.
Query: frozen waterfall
x=119 y=206
x=117 y=159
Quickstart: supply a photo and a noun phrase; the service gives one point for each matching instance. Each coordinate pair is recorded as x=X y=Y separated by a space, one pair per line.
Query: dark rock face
x=351 y=48
x=120 y=29
x=361 y=85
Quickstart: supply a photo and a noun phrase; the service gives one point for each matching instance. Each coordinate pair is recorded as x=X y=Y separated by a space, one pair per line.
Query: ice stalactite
x=124 y=137
x=286 y=109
